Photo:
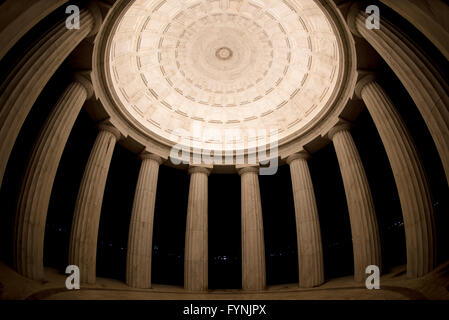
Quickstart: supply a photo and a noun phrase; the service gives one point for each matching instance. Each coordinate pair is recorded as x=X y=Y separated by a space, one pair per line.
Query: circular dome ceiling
x=201 y=68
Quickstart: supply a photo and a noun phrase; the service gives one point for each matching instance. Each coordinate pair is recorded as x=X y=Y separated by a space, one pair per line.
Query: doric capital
x=200 y=169
x=248 y=169
x=104 y=126
x=83 y=78
x=95 y=11
x=363 y=81
x=343 y=126
x=151 y=156
x=303 y=155
x=353 y=12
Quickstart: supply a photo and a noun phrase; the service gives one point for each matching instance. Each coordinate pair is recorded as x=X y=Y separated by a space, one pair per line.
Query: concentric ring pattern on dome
x=211 y=65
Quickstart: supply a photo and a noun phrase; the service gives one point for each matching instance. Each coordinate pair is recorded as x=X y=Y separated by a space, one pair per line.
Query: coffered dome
x=199 y=69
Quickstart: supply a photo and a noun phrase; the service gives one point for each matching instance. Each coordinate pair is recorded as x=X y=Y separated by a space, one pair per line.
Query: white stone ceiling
x=202 y=66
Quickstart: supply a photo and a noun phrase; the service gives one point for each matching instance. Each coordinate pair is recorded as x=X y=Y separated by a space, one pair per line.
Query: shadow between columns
x=170 y=226
x=225 y=253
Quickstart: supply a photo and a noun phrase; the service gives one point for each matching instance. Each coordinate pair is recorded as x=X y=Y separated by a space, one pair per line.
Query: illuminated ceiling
x=200 y=67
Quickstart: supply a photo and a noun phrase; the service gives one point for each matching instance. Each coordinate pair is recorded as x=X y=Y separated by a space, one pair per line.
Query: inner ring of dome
x=196 y=55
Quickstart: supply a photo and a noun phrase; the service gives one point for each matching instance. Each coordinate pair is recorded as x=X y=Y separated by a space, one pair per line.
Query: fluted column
x=140 y=239
x=196 y=246
x=362 y=216
x=253 y=245
x=411 y=181
x=18 y=17
x=39 y=177
x=25 y=83
x=86 y=218
x=429 y=17
x=310 y=250
x=423 y=82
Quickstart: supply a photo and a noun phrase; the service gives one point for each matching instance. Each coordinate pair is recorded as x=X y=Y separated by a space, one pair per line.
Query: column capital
x=248 y=169
x=351 y=16
x=363 y=81
x=345 y=126
x=151 y=156
x=95 y=11
x=83 y=78
x=302 y=155
x=199 y=169
x=104 y=126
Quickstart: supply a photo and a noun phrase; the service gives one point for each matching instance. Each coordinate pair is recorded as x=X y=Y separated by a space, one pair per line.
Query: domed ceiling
x=200 y=68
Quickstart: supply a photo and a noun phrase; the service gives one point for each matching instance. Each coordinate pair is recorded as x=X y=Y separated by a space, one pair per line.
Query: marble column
x=140 y=239
x=196 y=246
x=18 y=17
x=362 y=215
x=423 y=82
x=310 y=250
x=25 y=83
x=37 y=185
x=429 y=17
x=86 y=218
x=253 y=245
x=411 y=181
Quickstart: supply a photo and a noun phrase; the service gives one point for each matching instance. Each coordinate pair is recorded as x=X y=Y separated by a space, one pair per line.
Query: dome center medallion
x=224 y=53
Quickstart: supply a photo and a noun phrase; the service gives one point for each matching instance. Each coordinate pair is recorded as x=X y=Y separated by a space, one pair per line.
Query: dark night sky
x=224 y=198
